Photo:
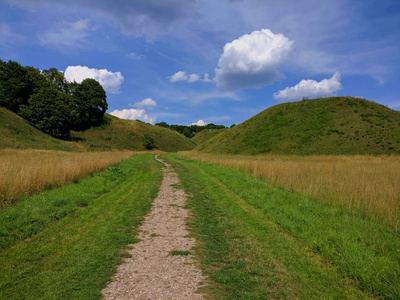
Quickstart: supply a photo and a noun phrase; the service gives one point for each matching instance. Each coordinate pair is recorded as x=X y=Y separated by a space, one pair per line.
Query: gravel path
x=152 y=272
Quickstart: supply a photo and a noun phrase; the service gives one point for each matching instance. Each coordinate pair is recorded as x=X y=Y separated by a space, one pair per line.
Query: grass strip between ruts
x=259 y=242
x=74 y=257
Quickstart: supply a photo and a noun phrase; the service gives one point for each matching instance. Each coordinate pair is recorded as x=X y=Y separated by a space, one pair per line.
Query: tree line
x=48 y=101
x=190 y=131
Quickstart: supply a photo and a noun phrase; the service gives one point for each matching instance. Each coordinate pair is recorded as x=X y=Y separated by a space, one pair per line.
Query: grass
x=336 y=125
x=74 y=257
x=259 y=242
x=25 y=172
x=205 y=135
x=367 y=184
x=130 y=135
x=114 y=134
x=16 y=132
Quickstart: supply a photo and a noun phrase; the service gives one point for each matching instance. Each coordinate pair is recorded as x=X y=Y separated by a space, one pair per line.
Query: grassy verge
x=260 y=242
x=358 y=183
x=74 y=257
x=25 y=172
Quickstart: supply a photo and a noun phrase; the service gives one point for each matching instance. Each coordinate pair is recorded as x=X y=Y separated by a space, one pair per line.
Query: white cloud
x=133 y=114
x=199 y=123
x=111 y=81
x=179 y=76
x=182 y=76
x=253 y=60
x=310 y=89
x=145 y=103
x=193 y=78
x=67 y=34
x=206 y=78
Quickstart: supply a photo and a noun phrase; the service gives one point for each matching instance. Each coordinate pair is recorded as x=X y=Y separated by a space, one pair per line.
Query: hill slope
x=127 y=134
x=205 y=135
x=15 y=132
x=337 y=125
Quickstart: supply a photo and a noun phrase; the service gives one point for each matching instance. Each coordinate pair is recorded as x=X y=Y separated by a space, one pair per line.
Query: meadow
x=262 y=242
x=359 y=183
x=25 y=172
x=65 y=243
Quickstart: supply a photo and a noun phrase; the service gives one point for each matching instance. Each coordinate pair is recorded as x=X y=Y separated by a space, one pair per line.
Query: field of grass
x=205 y=135
x=335 y=125
x=362 y=183
x=263 y=242
x=65 y=243
x=15 y=132
x=25 y=172
x=130 y=135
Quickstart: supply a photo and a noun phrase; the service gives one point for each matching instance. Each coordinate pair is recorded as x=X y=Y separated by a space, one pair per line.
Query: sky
x=210 y=61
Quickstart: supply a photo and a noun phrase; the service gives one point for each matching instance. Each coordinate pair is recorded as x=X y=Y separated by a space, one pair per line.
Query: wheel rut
x=161 y=265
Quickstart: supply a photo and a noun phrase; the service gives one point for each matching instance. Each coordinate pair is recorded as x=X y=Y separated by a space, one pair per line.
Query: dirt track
x=152 y=272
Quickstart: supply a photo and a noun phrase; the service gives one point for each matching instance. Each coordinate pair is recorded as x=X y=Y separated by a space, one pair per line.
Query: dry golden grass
x=360 y=183
x=24 y=172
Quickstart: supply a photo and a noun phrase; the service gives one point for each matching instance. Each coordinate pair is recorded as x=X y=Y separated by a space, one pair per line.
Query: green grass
x=337 y=125
x=205 y=135
x=73 y=255
x=127 y=134
x=16 y=132
x=258 y=242
x=116 y=133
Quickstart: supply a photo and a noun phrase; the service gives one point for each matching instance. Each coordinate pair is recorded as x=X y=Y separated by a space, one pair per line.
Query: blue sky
x=218 y=61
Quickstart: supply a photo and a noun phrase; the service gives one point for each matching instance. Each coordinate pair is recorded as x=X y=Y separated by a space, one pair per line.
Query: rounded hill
x=335 y=125
x=132 y=135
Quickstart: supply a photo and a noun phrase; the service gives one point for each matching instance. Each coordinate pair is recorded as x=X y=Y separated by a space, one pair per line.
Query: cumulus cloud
x=145 y=103
x=182 y=76
x=133 y=114
x=67 y=34
x=310 y=89
x=193 y=78
x=111 y=81
x=199 y=123
x=253 y=60
x=179 y=76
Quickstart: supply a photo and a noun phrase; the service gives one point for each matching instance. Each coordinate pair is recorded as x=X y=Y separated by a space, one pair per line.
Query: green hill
x=337 y=125
x=132 y=135
x=205 y=135
x=15 y=132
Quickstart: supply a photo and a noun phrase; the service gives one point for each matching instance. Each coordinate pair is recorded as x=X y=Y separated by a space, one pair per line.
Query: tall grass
x=360 y=183
x=24 y=172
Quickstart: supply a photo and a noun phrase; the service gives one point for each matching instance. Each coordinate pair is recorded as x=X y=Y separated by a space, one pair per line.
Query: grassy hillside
x=205 y=135
x=16 y=132
x=337 y=125
x=127 y=134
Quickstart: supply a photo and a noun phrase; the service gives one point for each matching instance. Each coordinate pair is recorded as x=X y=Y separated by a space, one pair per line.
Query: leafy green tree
x=90 y=104
x=57 y=79
x=16 y=86
x=148 y=142
x=50 y=111
x=162 y=124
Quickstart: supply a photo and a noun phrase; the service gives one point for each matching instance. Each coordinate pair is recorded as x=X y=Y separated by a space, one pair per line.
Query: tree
x=16 y=87
x=57 y=79
x=148 y=142
x=50 y=111
x=90 y=104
